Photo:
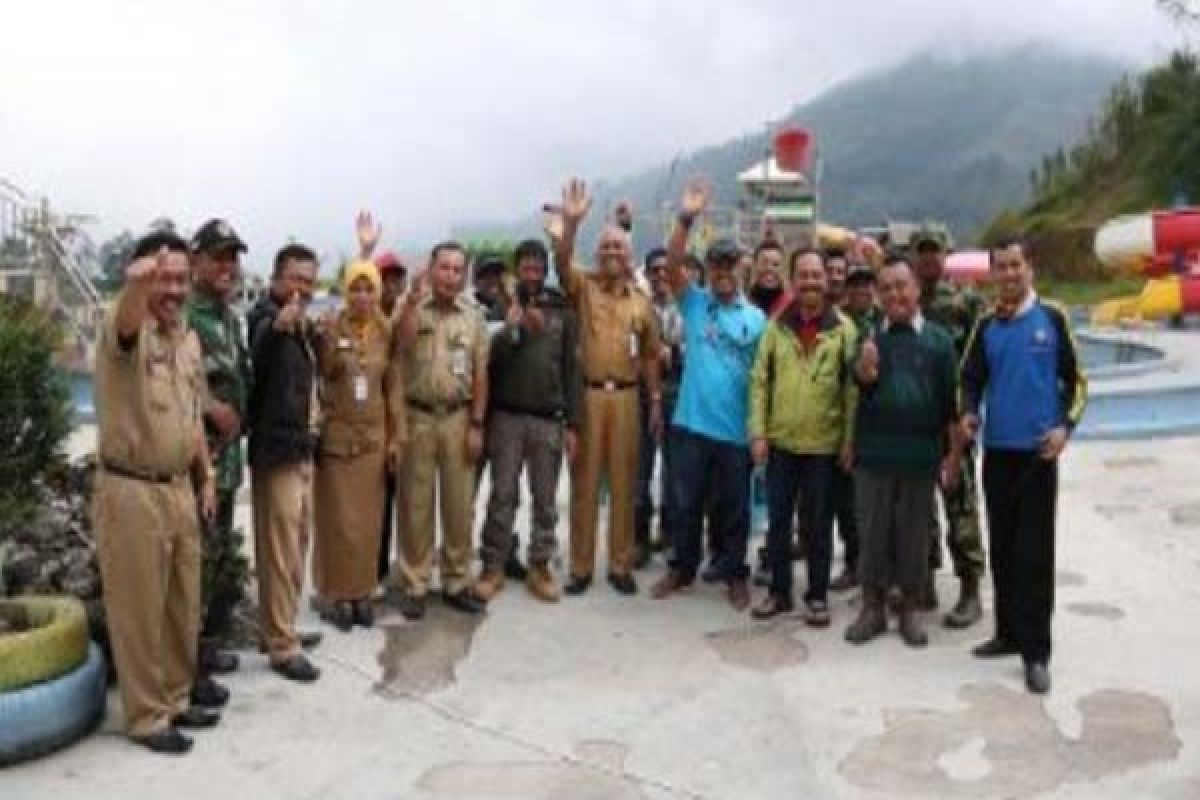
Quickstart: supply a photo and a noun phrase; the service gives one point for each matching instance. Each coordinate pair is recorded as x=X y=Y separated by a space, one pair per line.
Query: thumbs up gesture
x=868 y=362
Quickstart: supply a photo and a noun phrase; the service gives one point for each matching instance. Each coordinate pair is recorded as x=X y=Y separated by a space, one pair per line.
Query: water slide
x=1165 y=247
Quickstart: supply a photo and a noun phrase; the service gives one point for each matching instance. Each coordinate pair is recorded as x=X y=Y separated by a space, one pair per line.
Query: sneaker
x=168 y=741
x=816 y=613
x=297 y=668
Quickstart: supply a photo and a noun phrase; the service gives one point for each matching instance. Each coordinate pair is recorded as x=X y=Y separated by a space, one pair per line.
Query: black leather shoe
x=578 y=584
x=412 y=606
x=310 y=640
x=214 y=661
x=364 y=613
x=297 y=668
x=711 y=573
x=168 y=741
x=1037 y=677
x=464 y=600
x=341 y=616
x=623 y=584
x=995 y=648
x=207 y=693
x=196 y=717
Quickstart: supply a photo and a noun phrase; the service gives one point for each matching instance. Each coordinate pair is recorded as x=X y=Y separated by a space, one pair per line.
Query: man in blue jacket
x=1022 y=368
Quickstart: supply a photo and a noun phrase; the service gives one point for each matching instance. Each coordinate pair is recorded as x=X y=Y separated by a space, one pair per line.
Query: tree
x=113 y=256
x=1186 y=11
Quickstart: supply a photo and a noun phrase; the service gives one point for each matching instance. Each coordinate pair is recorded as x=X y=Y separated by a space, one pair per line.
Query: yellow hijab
x=361 y=269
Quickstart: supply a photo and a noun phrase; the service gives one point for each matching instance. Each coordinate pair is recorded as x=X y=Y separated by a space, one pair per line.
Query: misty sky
x=286 y=117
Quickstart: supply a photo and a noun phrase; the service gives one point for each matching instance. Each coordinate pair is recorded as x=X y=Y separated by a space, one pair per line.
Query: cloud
x=288 y=116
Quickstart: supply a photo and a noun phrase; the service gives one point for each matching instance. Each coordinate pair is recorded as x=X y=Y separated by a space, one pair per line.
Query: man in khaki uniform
x=149 y=396
x=620 y=342
x=444 y=346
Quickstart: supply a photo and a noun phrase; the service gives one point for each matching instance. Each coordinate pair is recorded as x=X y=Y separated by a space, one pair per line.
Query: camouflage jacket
x=227 y=368
x=956 y=309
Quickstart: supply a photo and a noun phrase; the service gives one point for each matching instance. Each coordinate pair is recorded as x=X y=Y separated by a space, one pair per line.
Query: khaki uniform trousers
x=282 y=498
x=608 y=446
x=149 y=552
x=435 y=467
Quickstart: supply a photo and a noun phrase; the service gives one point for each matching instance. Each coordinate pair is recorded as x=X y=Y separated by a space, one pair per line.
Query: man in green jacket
x=802 y=402
x=534 y=405
x=215 y=274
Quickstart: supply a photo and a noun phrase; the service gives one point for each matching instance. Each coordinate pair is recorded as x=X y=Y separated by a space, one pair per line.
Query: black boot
x=968 y=610
x=872 y=619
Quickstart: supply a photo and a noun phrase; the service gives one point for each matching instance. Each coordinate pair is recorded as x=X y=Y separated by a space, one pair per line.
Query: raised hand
x=696 y=196
x=552 y=222
x=623 y=214
x=290 y=316
x=143 y=272
x=575 y=201
x=368 y=232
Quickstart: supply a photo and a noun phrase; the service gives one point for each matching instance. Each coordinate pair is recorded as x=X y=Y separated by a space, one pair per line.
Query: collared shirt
x=720 y=341
x=362 y=410
x=149 y=398
x=227 y=372
x=618 y=329
x=439 y=367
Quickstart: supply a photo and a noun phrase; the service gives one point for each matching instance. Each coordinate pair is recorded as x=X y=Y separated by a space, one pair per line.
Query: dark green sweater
x=902 y=417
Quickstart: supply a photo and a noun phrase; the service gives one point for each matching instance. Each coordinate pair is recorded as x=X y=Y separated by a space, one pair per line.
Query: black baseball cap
x=723 y=251
x=216 y=234
x=860 y=273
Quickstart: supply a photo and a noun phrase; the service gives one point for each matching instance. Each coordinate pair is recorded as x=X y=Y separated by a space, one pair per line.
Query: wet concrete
x=421 y=657
x=761 y=647
x=595 y=775
x=1100 y=610
x=1003 y=744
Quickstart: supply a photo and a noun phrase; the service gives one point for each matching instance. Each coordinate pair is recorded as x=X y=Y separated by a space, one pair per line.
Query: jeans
x=694 y=459
x=787 y=475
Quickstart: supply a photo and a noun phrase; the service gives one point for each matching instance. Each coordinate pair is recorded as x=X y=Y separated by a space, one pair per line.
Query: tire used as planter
x=55 y=643
x=42 y=718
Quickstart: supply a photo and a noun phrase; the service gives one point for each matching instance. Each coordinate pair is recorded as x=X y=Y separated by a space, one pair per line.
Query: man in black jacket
x=534 y=414
x=282 y=416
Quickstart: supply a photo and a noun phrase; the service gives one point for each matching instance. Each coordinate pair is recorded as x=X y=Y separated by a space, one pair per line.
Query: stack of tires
x=52 y=679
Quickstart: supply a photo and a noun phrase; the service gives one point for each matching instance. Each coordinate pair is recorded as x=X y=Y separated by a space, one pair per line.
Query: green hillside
x=1142 y=152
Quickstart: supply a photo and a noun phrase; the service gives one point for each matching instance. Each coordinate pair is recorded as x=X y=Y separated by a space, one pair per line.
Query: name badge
x=360 y=389
x=458 y=362
x=633 y=345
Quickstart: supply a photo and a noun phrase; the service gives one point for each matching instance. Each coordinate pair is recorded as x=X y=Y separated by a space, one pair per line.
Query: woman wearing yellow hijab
x=362 y=429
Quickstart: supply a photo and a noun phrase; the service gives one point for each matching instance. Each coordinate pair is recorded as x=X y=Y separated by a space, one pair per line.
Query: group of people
x=859 y=391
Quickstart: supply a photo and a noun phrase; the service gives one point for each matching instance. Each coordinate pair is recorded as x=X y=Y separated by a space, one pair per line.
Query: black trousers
x=1021 y=492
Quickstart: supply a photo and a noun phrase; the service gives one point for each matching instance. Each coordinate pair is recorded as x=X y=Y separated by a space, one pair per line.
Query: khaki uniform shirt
x=618 y=331
x=439 y=366
x=361 y=399
x=149 y=398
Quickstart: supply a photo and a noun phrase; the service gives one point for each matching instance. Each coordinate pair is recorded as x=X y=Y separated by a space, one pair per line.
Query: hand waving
x=575 y=201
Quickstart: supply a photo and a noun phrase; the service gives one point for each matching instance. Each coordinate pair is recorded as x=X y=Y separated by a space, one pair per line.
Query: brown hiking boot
x=872 y=620
x=489 y=583
x=910 y=627
x=968 y=610
x=540 y=583
x=672 y=582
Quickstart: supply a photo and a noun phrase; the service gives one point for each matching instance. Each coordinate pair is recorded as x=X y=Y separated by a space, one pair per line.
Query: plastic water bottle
x=758 y=501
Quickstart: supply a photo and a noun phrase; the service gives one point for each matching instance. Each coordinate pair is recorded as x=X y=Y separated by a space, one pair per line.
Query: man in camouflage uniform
x=957 y=309
x=215 y=275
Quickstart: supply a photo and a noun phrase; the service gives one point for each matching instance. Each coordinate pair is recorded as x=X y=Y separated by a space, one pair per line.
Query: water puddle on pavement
x=421 y=657
x=1100 y=610
x=763 y=648
x=938 y=753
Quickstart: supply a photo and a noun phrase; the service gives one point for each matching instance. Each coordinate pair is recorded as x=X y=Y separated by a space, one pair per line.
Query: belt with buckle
x=437 y=409
x=612 y=386
x=145 y=477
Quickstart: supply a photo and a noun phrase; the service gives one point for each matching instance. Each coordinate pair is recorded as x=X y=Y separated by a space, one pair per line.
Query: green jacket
x=804 y=402
x=227 y=369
